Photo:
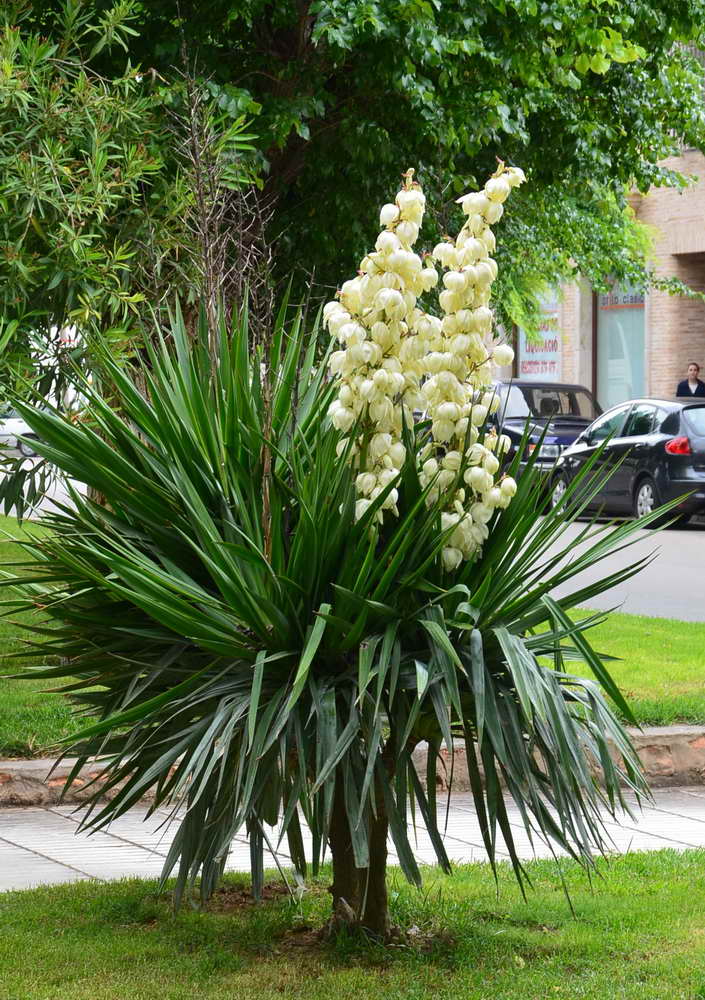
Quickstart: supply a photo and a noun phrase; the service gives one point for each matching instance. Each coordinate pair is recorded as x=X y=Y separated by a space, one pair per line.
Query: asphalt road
x=671 y=586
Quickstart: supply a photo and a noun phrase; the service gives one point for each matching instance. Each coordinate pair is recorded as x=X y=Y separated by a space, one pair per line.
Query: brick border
x=671 y=755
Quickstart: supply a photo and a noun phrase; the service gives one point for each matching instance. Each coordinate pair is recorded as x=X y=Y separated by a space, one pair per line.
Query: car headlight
x=551 y=451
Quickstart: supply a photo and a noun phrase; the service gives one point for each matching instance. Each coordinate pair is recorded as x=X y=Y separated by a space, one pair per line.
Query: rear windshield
x=543 y=401
x=695 y=419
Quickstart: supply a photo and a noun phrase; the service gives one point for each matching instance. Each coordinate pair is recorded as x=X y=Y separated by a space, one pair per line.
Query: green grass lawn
x=662 y=672
x=661 y=669
x=638 y=934
x=30 y=720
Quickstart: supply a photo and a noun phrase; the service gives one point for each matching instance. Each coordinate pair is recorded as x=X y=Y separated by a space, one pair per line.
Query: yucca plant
x=254 y=689
x=249 y=643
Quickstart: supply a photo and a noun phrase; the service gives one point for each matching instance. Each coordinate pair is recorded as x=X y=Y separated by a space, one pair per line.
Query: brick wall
x=675 y=326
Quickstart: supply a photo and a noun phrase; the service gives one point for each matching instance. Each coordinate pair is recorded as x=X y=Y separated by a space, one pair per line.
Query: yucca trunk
x=359 y=894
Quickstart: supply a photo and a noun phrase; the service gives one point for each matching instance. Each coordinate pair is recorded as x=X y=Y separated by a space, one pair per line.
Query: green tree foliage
x=81 y=177
x=239 y=644
x=96 y=185
x=586 y=96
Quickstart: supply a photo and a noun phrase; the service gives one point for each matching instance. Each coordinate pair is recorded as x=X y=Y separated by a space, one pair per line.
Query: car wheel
x=646 y=500
x=558 y=488
x=26 y=449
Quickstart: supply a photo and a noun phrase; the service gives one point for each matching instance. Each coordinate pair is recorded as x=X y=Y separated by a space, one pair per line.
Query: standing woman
x=691 y=386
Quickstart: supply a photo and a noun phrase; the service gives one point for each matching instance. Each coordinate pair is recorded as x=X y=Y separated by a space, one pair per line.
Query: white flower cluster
x=396 y=359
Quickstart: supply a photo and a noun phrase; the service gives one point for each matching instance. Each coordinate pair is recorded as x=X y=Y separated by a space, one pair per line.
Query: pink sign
x=539 y=358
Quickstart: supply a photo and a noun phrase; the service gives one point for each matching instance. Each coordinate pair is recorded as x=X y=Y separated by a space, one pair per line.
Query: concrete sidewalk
x=42 y=845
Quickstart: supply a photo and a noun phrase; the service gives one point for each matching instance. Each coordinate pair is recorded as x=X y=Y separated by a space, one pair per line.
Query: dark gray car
x=656 y=448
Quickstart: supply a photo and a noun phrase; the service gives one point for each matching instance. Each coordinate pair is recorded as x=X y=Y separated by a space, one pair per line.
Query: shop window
x=621 y=370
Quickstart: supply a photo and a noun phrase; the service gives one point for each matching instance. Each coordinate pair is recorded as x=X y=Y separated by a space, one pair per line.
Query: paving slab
x=44 y=845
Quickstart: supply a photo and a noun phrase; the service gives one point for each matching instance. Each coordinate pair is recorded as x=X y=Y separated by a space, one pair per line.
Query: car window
x=671 y=423
x=514 y=403
x=546 y=401
x=608 y=426
x=640 y=422
x=695 y=419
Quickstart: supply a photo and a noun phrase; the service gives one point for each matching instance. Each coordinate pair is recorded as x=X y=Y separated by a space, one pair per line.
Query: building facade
x=626 y=344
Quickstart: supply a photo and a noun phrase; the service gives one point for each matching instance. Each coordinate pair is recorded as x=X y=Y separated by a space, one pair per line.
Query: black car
x=657 y=447
x=559 y=412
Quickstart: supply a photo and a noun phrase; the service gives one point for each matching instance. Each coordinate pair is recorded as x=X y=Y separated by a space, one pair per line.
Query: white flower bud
x=397 y=453
x=379 y=445
x=454 y=281
x=481 y=513
x=350 y=295
x=482 y=319
x=387 y=242
x=336 y=362
x=508 y=486
x=494 y=213
x=388 y=215
x=408 y=232
x=352 y=333
x=338 y=320
x=515 y=176
x=478 y=415
x=479 y=532
x=474 y=203
x=451 y=558
x=411 y=204
x=493 y=497
x=489 y=241
x=342 y=418
x=361 y=508
x=497 y=190
x=477 y=479
x=452 y=461
x=446 y=478
x=330 y=307
x=448 y=411
x=429 y=278
x=484 y=273
x=476 y=222
x=448 y=301
x=504 y=443
x=502 y=355
x=391 y=302
x=430 y=468
x=444 y=253
x=490 y=463
x=365 y=483
x=442 y=430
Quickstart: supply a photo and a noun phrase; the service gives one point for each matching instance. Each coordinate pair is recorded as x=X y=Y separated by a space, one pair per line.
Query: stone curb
x=39 y=782
x=671 y=755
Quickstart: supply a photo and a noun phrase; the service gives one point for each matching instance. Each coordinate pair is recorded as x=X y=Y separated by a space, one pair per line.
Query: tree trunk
x=375 y=917
x=346 y=877
x=359 y=894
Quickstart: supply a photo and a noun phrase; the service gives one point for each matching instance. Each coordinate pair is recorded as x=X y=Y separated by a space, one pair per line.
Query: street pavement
x=671 y=586
x=43 y=845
